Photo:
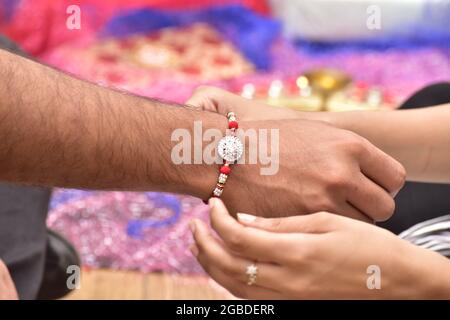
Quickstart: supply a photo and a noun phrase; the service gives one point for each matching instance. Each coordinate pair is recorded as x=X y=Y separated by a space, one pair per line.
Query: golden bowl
x=327 y=81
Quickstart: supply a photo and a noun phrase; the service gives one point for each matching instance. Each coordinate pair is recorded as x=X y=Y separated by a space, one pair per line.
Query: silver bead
x=218 y=192
x=222 y=178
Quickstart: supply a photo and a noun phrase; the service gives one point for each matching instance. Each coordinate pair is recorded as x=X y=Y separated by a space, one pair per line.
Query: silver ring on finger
x=252 y=274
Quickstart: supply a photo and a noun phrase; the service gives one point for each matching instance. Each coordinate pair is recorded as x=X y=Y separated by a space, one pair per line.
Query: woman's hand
x=317 y=256
x=7 y=288
x=313 y=166
x=221 y=101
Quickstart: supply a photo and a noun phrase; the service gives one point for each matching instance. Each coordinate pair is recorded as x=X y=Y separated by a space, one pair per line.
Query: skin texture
x=417 y=138
x=319 y=167
x=363 y=183
x=59 y=131
x=316 y=256
x=323 y=255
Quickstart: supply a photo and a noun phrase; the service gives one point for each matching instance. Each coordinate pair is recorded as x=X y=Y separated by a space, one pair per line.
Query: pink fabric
x=97 y=226
x=40 y=25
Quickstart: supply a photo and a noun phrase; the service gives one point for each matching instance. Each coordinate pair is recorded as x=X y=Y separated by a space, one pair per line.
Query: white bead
x=222 y=178
x=218 y=192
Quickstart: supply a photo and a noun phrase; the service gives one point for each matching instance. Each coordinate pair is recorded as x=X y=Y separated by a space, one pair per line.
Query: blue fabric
x=136 y=227
x=61 y=198
x=432 y=29
x=422 y=39
x=251 y=33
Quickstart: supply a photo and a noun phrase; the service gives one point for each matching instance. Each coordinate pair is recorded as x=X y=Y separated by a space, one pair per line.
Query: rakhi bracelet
x=230 y=149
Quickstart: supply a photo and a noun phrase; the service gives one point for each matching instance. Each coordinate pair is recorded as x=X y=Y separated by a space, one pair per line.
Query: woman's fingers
x=238 y=288
x=253 y=243
x=213 y=254
x=373 y=200
x=219 y=265
x=315 y=223
x=213 y=99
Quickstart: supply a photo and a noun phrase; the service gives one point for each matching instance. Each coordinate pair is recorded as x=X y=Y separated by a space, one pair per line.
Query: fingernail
x=212 y=202
x=192 y=226
x=245 y=217
x=194 y=250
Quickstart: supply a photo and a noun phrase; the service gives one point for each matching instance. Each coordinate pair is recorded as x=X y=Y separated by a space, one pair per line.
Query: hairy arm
x=56 y=130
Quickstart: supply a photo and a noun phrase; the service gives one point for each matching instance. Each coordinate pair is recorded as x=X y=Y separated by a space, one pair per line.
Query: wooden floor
x=124 y=285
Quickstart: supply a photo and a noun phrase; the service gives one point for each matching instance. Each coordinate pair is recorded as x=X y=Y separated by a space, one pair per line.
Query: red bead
x=233 y=125
x=225 y=170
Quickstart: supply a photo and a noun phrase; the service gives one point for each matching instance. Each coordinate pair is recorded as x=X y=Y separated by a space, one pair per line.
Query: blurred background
x=304 y=54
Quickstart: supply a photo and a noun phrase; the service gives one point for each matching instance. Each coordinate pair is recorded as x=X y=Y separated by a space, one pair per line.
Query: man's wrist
x=203 y=184
x=198 y=179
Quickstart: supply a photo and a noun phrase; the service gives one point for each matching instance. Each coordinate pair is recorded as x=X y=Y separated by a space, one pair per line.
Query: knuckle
x=336 y=179
x=302 y=256
x=274 y=224
x=326 y=204
x=355 y=144
x=319 y=219
x=320 y=202
x=230 y=268
x=236 y=242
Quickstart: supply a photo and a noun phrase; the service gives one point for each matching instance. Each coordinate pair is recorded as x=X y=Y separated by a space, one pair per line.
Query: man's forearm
x=56 y=130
